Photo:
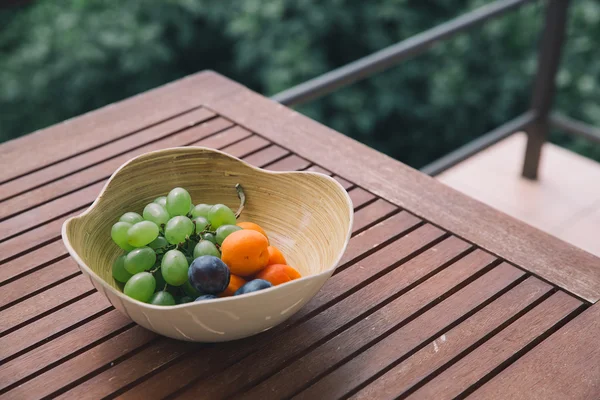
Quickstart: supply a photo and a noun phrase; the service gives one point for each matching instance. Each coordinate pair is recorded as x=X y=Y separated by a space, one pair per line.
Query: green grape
x=161 y=201
x=210 y=237
x=189 y=213
x=156 y=213
x=174 y=267
x=119 y=235
x=201 y=210
x=184 y=299
x=131 y=217
x=201 y=223
x=118 y=270
x=139 y=260
x=219 y=215
x=178 y=229
x=225 y=230
x=140 y=286
x=189 y=290
x=142 y=233
x=162 y=299
x=206 y=248
x=158 y=243
x=178 y=202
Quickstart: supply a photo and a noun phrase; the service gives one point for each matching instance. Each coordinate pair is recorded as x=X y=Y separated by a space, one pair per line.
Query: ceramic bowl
x=308 y=216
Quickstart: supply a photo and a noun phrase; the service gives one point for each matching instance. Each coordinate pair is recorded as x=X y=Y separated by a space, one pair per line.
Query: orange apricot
x=235 y=282
x=245 y=252
x=275 y=256
x=278 y=274
x=253 y=227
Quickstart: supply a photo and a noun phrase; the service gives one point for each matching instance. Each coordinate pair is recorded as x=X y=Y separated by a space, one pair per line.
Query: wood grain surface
x=437 y=295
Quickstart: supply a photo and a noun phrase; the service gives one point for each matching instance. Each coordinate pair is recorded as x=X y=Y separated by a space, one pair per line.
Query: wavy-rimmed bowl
x=306 y=215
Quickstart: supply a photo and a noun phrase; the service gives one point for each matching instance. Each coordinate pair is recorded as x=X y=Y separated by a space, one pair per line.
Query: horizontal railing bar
x=391 y=55
x=479 y=144
x=574 y=127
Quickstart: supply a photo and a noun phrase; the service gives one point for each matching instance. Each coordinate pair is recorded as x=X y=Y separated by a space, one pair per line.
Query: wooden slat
x=289 y=163
x=45 y=301
x=371 y=267
x=115 y=378
x=52 y=324
x=268 y=155
x=399 y=342
x=316 y=168
x=53 y=351
x=104 y=169
x=198 y=365
x=564 y=366
x=482 y=361
x=41 y=234
x=53 y=209
x=370 y=240
x=360 y=197
x=454 y=342
x=346 y=184
x=247 y=146
x=544 y=255
x=114 y=121
x=374 y=211
x=225 y=138
x=24 y=287
x=76 y=368
x=100 y=154
x=31 y=260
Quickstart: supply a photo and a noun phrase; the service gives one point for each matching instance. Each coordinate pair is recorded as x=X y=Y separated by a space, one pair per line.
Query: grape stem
x=242 y=197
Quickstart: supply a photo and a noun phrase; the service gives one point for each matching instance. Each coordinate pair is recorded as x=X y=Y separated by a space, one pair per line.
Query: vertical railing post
x=544 y=88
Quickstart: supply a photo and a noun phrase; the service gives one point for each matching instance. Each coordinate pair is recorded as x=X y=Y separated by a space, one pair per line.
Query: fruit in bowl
x=306 y=217
x=164 y=243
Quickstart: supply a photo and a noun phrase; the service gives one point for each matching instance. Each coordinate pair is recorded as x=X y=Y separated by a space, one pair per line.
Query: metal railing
x=536 y=122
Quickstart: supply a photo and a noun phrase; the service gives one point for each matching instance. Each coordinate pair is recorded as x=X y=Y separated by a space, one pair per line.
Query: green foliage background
x=59 y=59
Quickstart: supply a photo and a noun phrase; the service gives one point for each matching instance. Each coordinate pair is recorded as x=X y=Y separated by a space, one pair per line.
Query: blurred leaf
x=61 y=59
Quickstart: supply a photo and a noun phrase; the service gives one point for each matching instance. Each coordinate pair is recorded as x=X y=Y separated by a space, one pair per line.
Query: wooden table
x=438 y=296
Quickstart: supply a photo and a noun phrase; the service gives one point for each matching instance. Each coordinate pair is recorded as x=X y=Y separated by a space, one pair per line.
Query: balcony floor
x=564 y=202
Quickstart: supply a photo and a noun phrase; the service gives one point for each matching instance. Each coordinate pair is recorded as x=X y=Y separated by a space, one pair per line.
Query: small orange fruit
x=253 y=227
x=275 y=256
x=235 y=282
x=278 y=274
x=245 y=252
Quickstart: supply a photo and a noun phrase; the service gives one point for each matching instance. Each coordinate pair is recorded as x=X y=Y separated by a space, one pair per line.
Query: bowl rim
x=222 y=300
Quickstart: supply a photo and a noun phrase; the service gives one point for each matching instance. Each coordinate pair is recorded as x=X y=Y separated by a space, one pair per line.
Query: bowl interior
x=307 y=216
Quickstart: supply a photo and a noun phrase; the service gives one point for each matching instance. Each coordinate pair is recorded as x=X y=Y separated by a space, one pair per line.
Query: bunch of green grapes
x=162 y=242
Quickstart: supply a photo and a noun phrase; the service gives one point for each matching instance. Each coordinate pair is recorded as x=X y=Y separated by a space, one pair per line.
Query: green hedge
x=61 y=59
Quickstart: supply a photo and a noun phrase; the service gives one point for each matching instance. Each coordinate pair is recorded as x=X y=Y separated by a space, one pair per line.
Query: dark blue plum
x=253 y=286
x=206 y=297
x=209 y=274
